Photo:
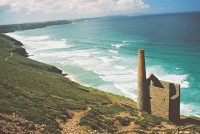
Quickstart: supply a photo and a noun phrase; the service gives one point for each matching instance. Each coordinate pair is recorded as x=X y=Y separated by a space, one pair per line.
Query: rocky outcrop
x=55 y=70
x=21 y=51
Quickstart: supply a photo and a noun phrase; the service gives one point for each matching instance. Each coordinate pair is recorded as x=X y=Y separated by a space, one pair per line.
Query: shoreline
x=72 y=77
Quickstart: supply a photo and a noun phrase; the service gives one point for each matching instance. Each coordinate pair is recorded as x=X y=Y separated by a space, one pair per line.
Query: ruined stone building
x=159 y=98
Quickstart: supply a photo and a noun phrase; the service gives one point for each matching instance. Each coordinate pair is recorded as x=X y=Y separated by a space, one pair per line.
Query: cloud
x=4 y=8
x=75 y=7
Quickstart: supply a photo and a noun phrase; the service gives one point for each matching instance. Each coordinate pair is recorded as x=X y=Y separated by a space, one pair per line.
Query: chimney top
x=141 y=50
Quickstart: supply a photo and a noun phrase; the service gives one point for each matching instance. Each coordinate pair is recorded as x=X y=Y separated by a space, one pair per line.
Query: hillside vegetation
x=35 y=97
x=26 y=26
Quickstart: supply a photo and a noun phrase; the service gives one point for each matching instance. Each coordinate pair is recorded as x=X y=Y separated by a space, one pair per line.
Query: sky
x=21 y=11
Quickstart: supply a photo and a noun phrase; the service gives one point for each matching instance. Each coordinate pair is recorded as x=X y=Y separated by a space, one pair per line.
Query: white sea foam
x=127 y=89
x=72 y=55
x=116 y=57
x=121 y=67
x=104 y=58
x=38 y=43
x=117 y=45
x=189 y=110
x=113 y=51
x=38 y=38
x=175 y=78
x=118 y=78
x=63 y=39
x=185 y=84
x=46 y=45
x=28 y=38
x=72 y=78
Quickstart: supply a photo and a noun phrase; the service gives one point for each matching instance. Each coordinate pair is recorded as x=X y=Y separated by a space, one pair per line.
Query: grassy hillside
x=34 y=25
x=35 y=97
x=26 y=26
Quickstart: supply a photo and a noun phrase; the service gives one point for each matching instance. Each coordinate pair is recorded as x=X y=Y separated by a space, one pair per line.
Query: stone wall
x=164 y=98
x=159 y=100
x=174 y=109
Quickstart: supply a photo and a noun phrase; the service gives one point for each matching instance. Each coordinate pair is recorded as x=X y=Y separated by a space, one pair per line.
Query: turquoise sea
x=102 y=52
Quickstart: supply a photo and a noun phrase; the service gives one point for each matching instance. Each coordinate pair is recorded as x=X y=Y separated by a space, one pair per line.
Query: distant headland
x=34 y=25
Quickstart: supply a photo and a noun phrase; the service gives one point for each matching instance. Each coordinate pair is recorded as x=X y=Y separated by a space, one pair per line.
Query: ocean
x=102 y=52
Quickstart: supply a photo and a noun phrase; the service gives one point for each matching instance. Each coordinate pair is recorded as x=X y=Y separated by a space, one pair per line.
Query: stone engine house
x=159 y=98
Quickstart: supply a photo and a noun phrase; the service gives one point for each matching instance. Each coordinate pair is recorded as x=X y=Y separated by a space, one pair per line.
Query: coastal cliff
x=26 y=26
x=35 y=97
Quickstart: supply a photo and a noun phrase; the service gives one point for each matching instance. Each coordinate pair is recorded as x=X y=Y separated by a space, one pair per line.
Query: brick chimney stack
x=141 y=91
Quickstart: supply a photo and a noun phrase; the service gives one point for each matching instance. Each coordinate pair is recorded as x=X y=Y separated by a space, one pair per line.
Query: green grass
x=41 y=96
x=96 y=121
x=124 y=121
x=115 y=109
x=103 y=118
